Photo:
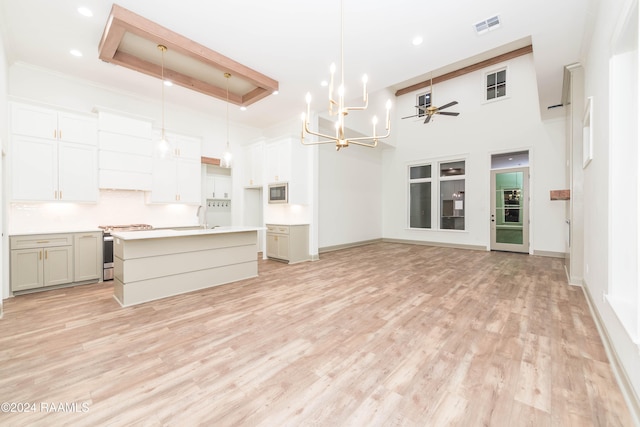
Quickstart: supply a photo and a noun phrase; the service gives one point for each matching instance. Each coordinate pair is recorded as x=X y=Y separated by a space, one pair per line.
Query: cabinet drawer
x=280 y=229
x=41 y=241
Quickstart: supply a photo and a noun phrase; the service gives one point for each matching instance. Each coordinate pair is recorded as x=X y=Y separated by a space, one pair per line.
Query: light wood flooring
x=380 y=335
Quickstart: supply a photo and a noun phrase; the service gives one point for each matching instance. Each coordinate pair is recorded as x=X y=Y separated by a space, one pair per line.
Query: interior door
x=510 y=210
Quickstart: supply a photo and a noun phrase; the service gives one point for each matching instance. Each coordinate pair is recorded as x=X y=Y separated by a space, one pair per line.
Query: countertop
x=177 y=232
x=54 y=231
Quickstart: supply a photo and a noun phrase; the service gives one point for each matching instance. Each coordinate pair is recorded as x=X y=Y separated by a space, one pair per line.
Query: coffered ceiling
x=293 y=42
x=132 y=41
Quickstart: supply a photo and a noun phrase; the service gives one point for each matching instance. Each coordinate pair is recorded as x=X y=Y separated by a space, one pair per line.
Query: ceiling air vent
x=488 y=24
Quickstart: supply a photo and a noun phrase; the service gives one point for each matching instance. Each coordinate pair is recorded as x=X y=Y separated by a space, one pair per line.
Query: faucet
x=201 y=220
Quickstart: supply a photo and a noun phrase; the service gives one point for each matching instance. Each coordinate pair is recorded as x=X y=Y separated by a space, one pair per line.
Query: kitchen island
x=154 y=264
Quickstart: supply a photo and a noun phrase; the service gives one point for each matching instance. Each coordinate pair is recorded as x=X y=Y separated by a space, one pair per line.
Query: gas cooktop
x=127 y=227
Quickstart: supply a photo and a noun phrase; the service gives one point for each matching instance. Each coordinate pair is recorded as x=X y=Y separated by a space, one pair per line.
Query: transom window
x=496 y=84
x=424 y=101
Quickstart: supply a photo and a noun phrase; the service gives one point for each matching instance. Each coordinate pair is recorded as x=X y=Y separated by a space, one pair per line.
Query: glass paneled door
x=510 y=210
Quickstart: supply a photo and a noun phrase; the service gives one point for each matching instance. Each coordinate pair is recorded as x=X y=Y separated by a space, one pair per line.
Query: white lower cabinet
x=288 y=242
x=44 y=260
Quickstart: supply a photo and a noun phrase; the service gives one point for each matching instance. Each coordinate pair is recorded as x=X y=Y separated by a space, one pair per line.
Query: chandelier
x=338 y=108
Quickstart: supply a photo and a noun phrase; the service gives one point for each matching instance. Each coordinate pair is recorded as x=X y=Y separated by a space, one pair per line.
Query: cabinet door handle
x=46 y=254
x=59 y=134
x=55 y=134
x=60 y=194
x=40 y=255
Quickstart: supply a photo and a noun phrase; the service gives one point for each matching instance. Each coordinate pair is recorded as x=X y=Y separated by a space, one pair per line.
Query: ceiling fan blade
x=427 y=119
x=408 y=117
x=446 y=113
x=448 y=105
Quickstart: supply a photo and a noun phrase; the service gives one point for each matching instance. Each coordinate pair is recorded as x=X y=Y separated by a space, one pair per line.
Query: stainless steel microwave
x=279 y=193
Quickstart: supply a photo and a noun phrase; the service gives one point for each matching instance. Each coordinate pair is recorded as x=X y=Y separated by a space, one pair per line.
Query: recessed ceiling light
x=85 y=11
x=168 y=83
x=417 y=41
x=275 y=92
x=75 y=52
x=324 y=83
x=243 y=108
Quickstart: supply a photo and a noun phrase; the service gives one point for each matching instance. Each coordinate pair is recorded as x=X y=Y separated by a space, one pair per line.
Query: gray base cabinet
x=45 y=260
x=288 y=243
x=87 y=248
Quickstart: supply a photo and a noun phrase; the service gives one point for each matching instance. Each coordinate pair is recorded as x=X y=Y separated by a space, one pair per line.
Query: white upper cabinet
x=218 y=187
x=177 y=172
x=254 y=160
x=53 y=155
x=278 y=161
x=40 y=122
x=34 y=168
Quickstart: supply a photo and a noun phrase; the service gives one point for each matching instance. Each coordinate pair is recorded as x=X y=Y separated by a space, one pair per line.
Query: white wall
x=482 y=128
x=349 y=195
x=4 y=262
x=597 y=182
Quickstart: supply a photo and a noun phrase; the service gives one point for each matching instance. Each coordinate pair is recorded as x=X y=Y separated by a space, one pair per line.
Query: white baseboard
x=631 y=398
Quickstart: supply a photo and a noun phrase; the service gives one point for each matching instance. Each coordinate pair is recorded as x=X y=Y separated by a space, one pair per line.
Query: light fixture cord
x=227 y=75
x=342 y=43
x=162 y=49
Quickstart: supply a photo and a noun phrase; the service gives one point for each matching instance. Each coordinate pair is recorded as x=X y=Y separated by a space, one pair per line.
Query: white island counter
x=154 y=264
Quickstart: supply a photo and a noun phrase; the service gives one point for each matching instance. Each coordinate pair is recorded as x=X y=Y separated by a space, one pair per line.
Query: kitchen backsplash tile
x=113 y=207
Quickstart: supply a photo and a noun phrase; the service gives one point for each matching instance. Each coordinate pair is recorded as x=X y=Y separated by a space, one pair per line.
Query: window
x=452 y=195
x=420 y=196
x=496 y=84
x=450 y=180
x=424 y=101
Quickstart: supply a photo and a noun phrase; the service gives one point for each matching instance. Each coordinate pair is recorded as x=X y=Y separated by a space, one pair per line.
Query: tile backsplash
x=113 y=207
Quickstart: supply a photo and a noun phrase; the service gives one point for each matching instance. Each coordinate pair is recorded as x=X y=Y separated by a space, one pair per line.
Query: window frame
x=420 y=112
x=460 y=177
x=485 y=87
x=419 y=181
x=435 y=201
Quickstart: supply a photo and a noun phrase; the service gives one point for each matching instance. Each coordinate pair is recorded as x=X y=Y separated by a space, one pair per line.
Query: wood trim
x=210 y=161
x=468 y=69
x=560 y=194
x=121 y=21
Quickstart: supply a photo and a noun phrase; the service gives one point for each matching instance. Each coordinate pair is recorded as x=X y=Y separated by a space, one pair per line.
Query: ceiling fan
x=431 y=110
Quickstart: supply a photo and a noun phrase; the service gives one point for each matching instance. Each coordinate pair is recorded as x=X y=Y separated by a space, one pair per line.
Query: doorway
x=510 y=210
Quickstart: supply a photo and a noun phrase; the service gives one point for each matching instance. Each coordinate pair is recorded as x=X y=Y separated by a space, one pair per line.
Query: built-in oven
x=107 y=245
x=107 y=250
x=279 y=193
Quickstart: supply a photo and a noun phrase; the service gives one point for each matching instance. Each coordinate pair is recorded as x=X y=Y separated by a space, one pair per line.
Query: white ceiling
x=294 y=41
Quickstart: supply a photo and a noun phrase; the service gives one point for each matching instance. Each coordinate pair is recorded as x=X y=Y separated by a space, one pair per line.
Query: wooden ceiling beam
x=468 y=69
x=122 y=21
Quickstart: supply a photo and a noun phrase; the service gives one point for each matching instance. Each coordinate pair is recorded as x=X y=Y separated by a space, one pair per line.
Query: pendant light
x=225 y=162
x=163 y=144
